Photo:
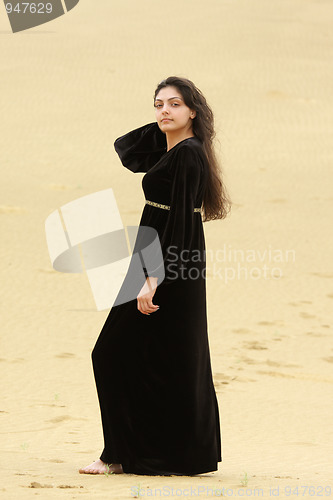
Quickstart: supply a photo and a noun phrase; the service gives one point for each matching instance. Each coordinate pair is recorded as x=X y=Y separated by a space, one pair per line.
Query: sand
x=68 y=89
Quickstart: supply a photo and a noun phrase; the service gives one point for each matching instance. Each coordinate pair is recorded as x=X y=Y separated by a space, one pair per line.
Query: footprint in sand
x=248 y=361
x=276 y=364
x=306 y=315
x=48 y=271
x=322 y=275
x=220 y=378
x=61 y=418
x=268 y=362
x=268 y=323
x=298 y=376
x=68 y=486
x=10 y=209
x=34 y=484
x=297 y=304
x=254 y=345
x=15 y=360
x=241 y=330
x=314 y=334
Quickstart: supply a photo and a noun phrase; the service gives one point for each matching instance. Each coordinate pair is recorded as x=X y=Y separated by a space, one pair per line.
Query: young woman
x=151 y=360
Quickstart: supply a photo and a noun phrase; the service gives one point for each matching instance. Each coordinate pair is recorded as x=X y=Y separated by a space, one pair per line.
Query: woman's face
x=172 y=114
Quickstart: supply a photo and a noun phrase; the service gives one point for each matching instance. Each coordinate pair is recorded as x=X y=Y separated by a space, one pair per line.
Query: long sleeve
x=187 y=174
x=141 y=148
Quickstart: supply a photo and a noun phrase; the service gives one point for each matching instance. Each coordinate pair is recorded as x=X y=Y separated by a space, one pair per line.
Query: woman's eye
x=160 y=105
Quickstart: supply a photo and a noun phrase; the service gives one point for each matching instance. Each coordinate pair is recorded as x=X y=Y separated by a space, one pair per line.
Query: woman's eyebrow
x=176 y=97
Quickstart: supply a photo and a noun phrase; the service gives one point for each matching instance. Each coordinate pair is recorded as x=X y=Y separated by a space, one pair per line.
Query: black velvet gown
x=153 y=373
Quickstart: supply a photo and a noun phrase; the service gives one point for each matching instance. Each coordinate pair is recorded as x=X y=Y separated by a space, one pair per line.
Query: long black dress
x=153 y=372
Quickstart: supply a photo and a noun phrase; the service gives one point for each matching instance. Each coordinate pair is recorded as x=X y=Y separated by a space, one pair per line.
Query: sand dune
x=68 y=89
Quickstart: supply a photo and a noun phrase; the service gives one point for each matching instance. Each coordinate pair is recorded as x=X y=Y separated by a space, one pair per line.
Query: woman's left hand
x=145 y=297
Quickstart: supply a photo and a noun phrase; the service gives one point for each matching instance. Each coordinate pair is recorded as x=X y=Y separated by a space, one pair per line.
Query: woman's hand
x=145 y=297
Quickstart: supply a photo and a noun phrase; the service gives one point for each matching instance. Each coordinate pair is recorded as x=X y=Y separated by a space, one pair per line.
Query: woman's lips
x=166 y=120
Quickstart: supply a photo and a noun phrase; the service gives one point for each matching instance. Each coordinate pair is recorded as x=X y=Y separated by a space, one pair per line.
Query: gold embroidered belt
x=166 y=207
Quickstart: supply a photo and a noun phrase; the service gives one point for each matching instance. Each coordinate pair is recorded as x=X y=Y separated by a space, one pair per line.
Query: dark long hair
x=216 y=201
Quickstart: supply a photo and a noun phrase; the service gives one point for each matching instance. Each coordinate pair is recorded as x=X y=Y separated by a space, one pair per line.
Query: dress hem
x=147 y=471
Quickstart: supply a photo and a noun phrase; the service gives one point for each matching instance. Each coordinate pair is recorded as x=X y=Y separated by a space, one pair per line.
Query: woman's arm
x=141 y=148
x=176 y=239
x=145 y=297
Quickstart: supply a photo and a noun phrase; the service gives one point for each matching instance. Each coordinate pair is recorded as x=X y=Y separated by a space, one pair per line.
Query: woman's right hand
x=145 y=296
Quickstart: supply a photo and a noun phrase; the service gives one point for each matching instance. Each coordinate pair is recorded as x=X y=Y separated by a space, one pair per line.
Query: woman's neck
x=173 y=139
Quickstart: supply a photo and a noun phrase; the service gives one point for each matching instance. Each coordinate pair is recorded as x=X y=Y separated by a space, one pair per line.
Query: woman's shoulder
x=190 y=151
x=191 y=144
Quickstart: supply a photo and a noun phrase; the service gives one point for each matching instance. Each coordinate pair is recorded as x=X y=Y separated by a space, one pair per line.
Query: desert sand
x=69 y=88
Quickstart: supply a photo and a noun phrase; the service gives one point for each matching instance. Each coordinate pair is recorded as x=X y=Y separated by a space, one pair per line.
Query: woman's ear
x=193 y=114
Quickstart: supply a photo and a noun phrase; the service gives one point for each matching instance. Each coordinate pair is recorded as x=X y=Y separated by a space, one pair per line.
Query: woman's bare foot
x=100 y=467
